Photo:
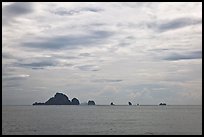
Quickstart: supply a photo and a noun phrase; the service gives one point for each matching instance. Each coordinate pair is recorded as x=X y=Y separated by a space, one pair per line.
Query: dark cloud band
x=70 y=42
x=184 y=56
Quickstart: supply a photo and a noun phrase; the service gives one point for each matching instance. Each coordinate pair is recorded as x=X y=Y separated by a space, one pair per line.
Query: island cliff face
x=60 y=99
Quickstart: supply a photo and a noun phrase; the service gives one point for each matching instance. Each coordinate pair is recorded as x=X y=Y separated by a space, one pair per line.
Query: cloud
x=88 y=68
x=67 y=12
x=17 y=8
x=70 y=42
x=63 y=12
x=84 y=47
x=85 y=54
x=12 y=81
x=184 y=56
x=177 y=23
x=36 y=62
x=160 y=49
x=7 y=55
x=107 y=80
x=15 y=77
x=42 y=63
x=14 y=10
x=92 y=9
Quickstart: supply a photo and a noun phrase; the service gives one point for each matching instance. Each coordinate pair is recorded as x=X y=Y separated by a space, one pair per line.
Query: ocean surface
x=102 y=120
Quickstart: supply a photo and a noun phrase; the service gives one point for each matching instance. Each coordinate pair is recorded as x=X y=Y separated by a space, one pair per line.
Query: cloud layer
x=145 y=53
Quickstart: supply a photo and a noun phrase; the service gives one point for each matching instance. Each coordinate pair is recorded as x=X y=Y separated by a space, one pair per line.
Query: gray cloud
x=92 y=9
x=39 y=64
x=14 y=77
x=14 y=10
x=68 y=12
x=63 y=56
x=88 y=68
x=178 y=23
x=106 y=80
x=12 y=80
x=7 y=55
x=63 y=12
x=70 y=42
x=85 y=54
x=10 y=84
x=184 y=56
x=18 y=8
x=42 y=63
x=160 y=49
x=37 y=68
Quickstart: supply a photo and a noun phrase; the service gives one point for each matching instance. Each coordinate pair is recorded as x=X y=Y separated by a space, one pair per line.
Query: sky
x=118 y=52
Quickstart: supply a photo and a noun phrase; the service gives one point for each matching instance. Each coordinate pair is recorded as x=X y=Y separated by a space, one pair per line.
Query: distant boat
x=162 y=104
x=112 y=103
x=130 y=103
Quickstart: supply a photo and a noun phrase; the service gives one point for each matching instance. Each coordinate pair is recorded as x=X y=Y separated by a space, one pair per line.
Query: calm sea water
x=120 y=120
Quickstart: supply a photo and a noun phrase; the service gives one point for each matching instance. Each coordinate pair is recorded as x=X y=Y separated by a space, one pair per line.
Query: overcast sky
x=145 y=53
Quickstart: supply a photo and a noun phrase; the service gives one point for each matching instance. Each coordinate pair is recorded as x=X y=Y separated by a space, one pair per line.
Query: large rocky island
x=59 y=99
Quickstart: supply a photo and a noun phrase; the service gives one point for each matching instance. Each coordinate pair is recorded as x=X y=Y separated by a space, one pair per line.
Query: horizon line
x=114 y=105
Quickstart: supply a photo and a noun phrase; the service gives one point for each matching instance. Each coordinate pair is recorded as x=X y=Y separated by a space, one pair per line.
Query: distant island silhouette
x=91 y=102
x=62 y=99
x=162 y=104
x=59 y=99
x=112 y=104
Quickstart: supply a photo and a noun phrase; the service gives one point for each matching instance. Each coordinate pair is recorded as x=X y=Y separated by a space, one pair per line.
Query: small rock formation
x=130 y=103
x=59 y=99
x=36 y=103
x=91 y=102
x=75 y=101
x=112 y=103
x=162 y=104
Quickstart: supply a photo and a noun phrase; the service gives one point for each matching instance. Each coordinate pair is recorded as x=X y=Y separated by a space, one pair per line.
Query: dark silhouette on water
x=59 y=99
x=162 y=104
x=112 y=104
x=62 y=99
x=75 y=101
x=91 y=102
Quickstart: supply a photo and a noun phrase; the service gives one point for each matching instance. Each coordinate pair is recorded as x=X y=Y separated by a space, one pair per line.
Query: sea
x=102 y=120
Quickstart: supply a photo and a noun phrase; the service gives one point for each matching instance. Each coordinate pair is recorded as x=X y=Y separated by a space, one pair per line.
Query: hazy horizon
x=106 y=105
x=139 y=52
